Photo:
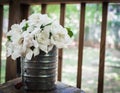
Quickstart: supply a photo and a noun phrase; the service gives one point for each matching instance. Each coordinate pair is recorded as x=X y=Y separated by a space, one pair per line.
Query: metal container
x=39 y=73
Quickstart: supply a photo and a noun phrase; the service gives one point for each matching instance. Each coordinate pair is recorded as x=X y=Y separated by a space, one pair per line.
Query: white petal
x=43 y=48
x=15 y=55
x=9 y=48
x=29 y=54
x=50 y=47
x=35 y=31
x=36 y=51
x=23 y=23
x=52 y=40
x=35 y=43
x=9 y=52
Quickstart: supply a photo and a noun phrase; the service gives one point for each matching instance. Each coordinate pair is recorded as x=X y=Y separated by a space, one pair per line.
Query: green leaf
x=42 y=26
x=25 y=27
x=50 y=35
x=70 y=33
x=48 y=24
x=9 y=38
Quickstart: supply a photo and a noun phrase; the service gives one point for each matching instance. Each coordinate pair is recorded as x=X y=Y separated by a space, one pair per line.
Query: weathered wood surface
x=9 y=87
x=60 y=52
x=81 y=44
x=102 y=48
x=24 y=10
x=1 y=27
x=14 y=17
x=57 y=1
x=44 y=8
x=66 y=1
x=2 y=2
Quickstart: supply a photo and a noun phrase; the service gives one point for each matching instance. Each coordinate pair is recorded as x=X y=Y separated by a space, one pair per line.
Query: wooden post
x=1 y=30
x=81 y=44
x=43 y=8
x=65 y=1
x=14 y=17
x=60 y=52
x=102 y=48
x=24 y=12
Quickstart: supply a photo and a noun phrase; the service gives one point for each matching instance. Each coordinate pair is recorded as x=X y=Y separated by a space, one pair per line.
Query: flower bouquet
x=35 y=40
x=39 y=32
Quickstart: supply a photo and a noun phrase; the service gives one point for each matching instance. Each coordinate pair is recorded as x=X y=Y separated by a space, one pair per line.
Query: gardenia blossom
x=38 y=33
x=60 y=37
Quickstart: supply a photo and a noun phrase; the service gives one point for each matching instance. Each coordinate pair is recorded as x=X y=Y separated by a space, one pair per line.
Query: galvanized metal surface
x=39 y=73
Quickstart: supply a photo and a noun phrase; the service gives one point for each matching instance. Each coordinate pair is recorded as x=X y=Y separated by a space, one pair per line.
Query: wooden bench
x=15 y=86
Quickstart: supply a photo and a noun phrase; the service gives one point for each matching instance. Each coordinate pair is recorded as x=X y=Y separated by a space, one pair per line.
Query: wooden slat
x=60 y=52
x=1 y=29
x=66 y=1
x=43 y=8
x=4 y=2
x=81 y=44
x=14 y=17
x=102 y=48
x=24 y=12
x=58 y=1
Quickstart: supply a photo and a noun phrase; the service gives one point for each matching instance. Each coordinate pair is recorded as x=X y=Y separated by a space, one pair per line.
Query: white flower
x=30 y=29
x=39 y=19
x=28 y=41
x=43 y=40
x=34 y=17
x=16 y=28
x=60 y=37
x=37 y=33
x=16 y=52
x=15 y=33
